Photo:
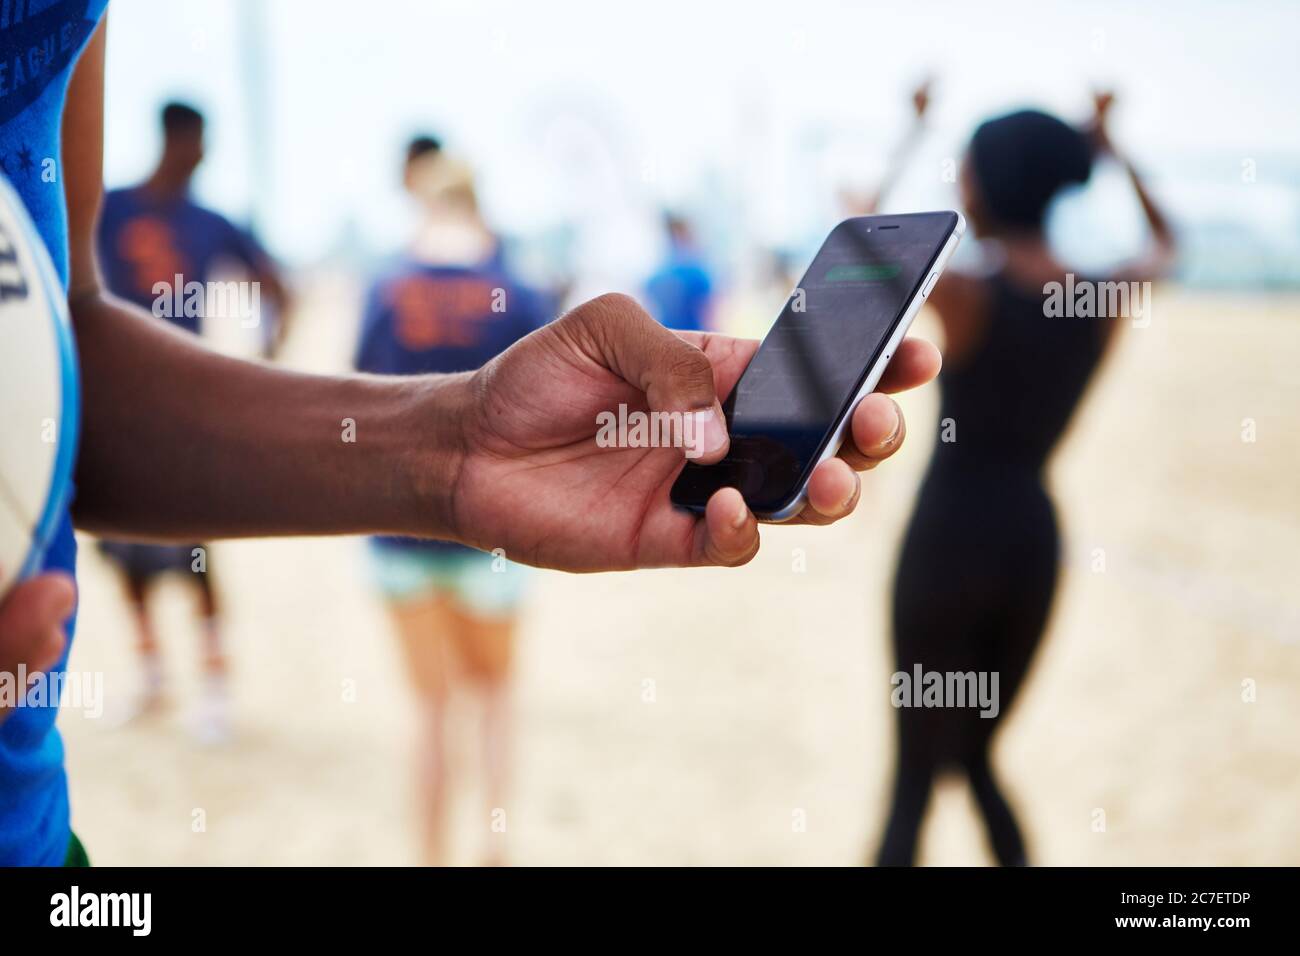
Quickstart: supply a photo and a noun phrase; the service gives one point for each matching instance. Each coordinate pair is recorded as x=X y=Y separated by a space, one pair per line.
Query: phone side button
x=929 y=284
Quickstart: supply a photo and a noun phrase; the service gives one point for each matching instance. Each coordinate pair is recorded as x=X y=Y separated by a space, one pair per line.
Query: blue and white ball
x=38 y=394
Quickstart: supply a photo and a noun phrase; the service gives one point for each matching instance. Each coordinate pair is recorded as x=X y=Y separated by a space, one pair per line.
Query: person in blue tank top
x=179 y=443
x=449 y=305
x=38 y=45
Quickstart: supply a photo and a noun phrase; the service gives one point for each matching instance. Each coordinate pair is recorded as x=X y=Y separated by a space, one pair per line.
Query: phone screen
x=831 y=332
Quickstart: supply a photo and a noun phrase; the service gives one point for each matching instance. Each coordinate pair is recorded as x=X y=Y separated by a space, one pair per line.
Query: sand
x=742 y=716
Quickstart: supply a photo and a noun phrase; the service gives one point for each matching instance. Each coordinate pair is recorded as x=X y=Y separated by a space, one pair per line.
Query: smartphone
x=845 y=319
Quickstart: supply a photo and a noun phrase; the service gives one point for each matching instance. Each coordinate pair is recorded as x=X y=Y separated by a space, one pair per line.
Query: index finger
x=915 y=363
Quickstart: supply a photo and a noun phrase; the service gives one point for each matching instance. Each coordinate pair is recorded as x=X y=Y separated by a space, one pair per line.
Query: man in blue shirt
x=153 y=232
x=152 y=237
x=180 y=443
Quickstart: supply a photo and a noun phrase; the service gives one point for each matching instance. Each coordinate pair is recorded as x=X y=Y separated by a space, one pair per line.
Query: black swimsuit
x=979 y=560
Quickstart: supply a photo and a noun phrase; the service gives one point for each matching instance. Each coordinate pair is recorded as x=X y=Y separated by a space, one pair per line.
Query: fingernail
x=709 y=430
x=898 y=428
x=739 y=518
x=857 y=484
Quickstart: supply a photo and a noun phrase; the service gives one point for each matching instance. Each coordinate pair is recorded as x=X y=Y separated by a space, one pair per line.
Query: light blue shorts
x=480 y=583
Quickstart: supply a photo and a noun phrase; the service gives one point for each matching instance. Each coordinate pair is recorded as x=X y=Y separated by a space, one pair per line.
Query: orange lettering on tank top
x=434 y=312
x=148 y=245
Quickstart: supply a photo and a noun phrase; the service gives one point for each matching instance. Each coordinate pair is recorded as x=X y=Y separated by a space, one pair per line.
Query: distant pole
x=252 y=37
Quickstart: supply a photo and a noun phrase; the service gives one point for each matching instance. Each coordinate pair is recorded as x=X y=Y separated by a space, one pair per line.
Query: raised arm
x=1159 y=259
x=898 y=158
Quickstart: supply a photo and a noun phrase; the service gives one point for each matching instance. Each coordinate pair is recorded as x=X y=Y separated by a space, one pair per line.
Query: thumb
x=675 y=376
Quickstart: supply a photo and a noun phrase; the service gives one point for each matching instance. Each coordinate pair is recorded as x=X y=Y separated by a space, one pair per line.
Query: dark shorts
x=148 y=560
x=76 y=853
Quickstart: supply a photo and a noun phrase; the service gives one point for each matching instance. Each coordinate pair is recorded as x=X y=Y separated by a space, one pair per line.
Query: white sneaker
x=211 y=722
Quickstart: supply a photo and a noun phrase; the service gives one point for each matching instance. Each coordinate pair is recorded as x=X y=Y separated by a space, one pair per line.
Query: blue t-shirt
x=144 y=240
x=421 y=318
x=680 y=291
x=39 y=41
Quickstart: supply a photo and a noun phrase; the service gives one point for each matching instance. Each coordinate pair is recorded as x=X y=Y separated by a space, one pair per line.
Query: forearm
x=181 y=443
x=898 y=161
x=1155 y=217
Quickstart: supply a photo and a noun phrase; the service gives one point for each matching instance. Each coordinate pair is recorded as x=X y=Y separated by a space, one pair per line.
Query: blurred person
x=680 y=291
x=153 y=237
x=178 y=442
x=449 y=305
x=979 y=560
x=154 y=231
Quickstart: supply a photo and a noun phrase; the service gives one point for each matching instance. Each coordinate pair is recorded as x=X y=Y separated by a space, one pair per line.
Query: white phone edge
x=832 y=449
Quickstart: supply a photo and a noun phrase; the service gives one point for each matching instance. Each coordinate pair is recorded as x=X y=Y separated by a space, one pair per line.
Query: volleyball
x=38 y=394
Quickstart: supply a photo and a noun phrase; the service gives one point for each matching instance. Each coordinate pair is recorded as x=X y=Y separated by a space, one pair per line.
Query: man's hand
x=31 y=626
x=532 y=480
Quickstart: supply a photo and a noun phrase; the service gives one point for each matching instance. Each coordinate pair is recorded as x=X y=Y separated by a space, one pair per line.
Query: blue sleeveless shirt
x=39 y=43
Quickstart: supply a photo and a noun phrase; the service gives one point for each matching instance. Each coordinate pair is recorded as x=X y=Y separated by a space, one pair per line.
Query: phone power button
x=929 y=284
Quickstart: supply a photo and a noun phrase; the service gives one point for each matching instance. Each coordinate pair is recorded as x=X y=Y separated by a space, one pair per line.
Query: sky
x=593 y=115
